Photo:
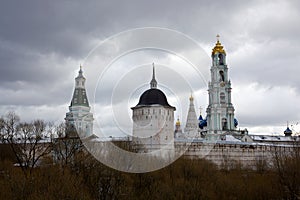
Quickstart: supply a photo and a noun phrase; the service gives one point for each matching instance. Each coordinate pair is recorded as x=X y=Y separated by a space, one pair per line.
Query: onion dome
x=177 y=122
x=153 y=96
x=218 y=47
x=236 y=123
x=288 y=132
x=202 y=122
x=200 y=118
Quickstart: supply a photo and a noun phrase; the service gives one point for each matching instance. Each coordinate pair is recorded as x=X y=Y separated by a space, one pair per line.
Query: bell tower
x=79 y=119
x=220 y=111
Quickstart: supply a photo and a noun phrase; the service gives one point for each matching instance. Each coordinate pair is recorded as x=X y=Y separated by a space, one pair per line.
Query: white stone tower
x=192 y=124
x=220 y=111
x=153 y=119
x=79 y=117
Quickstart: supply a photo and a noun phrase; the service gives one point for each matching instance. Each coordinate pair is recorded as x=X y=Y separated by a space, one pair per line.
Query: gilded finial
x=218 y=47
x=191 y=97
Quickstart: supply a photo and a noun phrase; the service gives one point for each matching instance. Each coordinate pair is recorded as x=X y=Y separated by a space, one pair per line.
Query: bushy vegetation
x=185 y=179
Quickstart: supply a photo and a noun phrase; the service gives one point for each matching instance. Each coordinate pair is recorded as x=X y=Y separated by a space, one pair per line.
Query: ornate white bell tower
x=79 y=117
x=220 y=111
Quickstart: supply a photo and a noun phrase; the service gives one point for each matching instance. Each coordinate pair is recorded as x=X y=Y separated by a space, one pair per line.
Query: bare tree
x=27 y=141
x=66 y=145
x=287 y=165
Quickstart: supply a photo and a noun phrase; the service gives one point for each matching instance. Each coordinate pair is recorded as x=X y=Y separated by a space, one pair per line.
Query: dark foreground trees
x=184 y=179
x=69 y=172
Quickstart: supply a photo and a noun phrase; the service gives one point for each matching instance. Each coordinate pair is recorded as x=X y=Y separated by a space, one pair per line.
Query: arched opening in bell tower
x=224 y=124
x=221 y=59
x=222 y=76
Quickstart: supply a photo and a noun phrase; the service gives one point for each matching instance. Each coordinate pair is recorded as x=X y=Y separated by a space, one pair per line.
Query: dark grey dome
x=153 y=96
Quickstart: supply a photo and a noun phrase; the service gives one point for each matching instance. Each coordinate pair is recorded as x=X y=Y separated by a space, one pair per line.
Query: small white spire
x=153 y=83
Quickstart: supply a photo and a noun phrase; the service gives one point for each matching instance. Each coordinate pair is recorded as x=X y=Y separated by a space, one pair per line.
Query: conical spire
x=153 y=83
x=79 y=95
x=192 y=121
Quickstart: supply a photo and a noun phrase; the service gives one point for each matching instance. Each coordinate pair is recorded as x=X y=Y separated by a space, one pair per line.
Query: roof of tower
x=80 y=75
x=218 y=47
x=79 y=95
x=153 y=96
x=79 y=98
x=288 y=131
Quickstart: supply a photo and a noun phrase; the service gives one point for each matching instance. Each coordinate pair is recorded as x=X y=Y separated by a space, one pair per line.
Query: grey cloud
x=42 y=43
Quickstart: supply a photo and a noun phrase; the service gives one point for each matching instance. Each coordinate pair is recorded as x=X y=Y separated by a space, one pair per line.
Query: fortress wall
x=230 y=155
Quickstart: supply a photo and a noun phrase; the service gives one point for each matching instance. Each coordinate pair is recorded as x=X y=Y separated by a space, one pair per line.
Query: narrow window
x=222 y=76
x=222 y=98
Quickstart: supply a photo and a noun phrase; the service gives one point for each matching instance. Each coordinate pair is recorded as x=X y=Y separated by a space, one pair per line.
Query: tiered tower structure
x=192 y=124
x=220 y=111
x=79 y=117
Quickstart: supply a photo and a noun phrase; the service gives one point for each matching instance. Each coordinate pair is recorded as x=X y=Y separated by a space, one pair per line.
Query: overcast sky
x=42 y=44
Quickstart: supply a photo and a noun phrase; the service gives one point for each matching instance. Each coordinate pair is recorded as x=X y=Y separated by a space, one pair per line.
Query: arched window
x=221 y=59
x=224 y=124
x=222 y=78
x=222 y=98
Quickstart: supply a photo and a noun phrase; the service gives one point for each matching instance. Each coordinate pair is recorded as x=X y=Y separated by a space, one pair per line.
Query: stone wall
x=228 y=155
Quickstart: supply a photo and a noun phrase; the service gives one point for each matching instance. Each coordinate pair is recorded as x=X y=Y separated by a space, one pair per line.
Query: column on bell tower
x=220 y=111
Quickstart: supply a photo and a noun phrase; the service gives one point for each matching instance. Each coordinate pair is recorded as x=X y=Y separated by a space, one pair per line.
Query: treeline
x=69 y=172
x=184 y=179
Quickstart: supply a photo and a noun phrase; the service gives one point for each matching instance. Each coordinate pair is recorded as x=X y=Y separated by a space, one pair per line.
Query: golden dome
x=191 y=98
x=177 y=122
x=218 y=48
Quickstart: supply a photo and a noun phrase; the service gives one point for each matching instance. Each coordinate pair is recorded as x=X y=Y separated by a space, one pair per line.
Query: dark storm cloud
x=43 y=42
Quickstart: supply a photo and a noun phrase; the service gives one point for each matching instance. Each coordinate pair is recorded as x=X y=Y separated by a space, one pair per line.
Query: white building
x=153 y=119
x=79 y=117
